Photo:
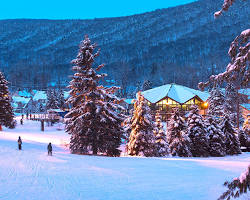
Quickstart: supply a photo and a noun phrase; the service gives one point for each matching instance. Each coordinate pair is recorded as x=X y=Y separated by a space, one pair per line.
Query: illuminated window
x=190 y=102
x=198 y=102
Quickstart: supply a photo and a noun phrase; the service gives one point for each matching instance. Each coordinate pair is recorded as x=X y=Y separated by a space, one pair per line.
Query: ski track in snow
x=32 y=175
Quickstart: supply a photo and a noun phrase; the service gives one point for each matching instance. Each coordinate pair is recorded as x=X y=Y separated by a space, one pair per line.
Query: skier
x=21 y=121
x=49 y=149
x=19 y=141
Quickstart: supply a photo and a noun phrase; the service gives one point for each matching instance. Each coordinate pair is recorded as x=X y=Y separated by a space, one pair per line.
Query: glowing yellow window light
x=165 y=102
x=205 y=105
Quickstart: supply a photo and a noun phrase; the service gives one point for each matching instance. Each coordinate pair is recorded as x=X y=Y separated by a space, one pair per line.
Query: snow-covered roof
x=245 y=91
x=55 y=110
x=129 y=101
x=246 y=106
x=14 y=105
x=176 y=92
x=24 y=93
x=66 y=94
x=22 y=100
x=40 y=95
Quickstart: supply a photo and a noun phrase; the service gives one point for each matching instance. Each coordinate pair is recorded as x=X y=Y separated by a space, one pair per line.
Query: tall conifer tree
x=197 y=133
x=142 y=138
x=179 y=142
x=216 y=102
x=93 y=121
x=161 y=143
x=52 y=102
x=232 y=142
x=216 y=138
x=6 y=110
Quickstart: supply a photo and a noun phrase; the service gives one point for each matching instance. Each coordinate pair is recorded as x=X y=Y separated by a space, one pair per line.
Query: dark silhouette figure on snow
x=19 y=141
x=49 y=149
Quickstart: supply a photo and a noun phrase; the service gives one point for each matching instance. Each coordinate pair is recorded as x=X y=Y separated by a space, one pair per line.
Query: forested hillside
x=167 y=45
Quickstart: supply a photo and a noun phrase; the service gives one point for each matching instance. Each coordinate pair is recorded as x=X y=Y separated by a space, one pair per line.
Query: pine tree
x=238 y=186
x=41 y=108
x=60 y=97
x=232 y=142
x=161 y=143
x=142 y=139
x=243 y=137
x=216 y=138
x=52 y=102
x=216 y=102
x=197 y=133
x=231 y=100
x=231 y=97
x=6 y=110
x=127 y=128
x=179 y=142
x=93 y=121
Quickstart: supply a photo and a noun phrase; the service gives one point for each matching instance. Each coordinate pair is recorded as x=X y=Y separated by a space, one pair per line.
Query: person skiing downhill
x=49 y=149
x=19 y=141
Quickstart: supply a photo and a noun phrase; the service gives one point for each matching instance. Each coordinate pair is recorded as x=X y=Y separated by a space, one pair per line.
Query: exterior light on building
x=205 y=105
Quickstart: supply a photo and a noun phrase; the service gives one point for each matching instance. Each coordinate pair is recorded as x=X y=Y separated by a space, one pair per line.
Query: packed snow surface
x=32 y=175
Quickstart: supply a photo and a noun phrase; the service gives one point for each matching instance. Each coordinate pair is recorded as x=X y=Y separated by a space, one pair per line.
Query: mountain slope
x=159 y=45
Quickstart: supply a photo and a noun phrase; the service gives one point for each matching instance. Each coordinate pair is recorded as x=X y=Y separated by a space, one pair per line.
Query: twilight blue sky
x=80 y=9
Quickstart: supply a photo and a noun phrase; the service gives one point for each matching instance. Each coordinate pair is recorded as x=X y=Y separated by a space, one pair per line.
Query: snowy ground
x=30 y=174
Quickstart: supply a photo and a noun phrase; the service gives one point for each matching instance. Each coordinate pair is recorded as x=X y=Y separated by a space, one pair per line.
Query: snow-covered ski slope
x=32 y=175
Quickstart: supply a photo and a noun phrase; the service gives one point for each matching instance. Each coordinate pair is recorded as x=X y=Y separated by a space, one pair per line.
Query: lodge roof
x=40 y=95
x=246 y=106
x=176 y=92
x=22 y=100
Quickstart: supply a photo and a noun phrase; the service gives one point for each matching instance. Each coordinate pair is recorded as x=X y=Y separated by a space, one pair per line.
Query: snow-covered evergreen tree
x=238 y=186
x=197 y=133
x=41 y=108
x=238 y=68
x=52 y=102
x=231 y=100
x=161 y=143
x=216 y=138
x=243 y=137
x=6 y=110
x=142 y=139
x=93 y=121
x=246 y=126
x=232 y=142
x=216 y=102
x=179 y=142
x=127 y=128
x=60 y=99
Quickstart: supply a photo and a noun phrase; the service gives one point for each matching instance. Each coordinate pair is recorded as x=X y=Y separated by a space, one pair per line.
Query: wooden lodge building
x=166 y=97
